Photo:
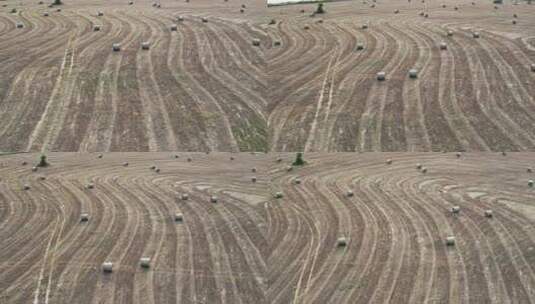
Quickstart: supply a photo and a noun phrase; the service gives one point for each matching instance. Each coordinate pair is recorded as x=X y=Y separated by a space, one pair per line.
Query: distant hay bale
x=189 y=159
x=456 y=8
x=204 y=19
x=84 y=217
x=443 y=46
x=388 y=161
x=413 y=73
x=476 y=35
x=533 y=67
x=424 y=170
x=107 y=267
x=455 y=210
x=360 y=46
x=277 y=43
x=116 y=47
x=19 y=25
x=42 y=177
x=100 y=14
x=144 y=262
x=349 y=193
x=372 y=5
x=253 y=179
x=179 y=217
x=45 y=14
x=530 y=183
x=381 y=76
x=297 y=181
x=96 y=28
x=125 y=164
x=253 y=169
x=418 y=166
x=341 y=242
x=157 y=170
x=184 y=196
x=365 y=26
x=396 y=11
x=319 y=21
x=421 y=14
x=458 y=154
x=488 y=213
x=306 y=27
x=443 y=5
x=515 y=16
x=174 y=27
x=179 y=18
x=90 y=186
x=529 y=170
x=450 y=241
x=256 y=42
x=279 y=159
x=26 y=187
x=514 y=22
x=130 y=2
x=213 y=199
x=243 y=5
x=34 y=168
x=175 y=156
x=145 y=45
x=504 y=153
x=278 y=195
x=242 y=10
x=450 y=33
x=289 y=168
x=426 y=15
x=152 y=167
x=100 y=156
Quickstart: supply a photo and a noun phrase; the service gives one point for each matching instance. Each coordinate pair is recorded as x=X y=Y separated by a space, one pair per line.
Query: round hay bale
x=253 y=179
x=504 y=153
x=515 y=16
x=116 y=47
x=144 y=262
x=90 y=186
x=213 y=199
x=533 y=67
x=179 y=217
x=96 y=28
x=189 y=159
x=488 y=213
x=413 y=73
x=184 y=196
x=388 y=161
x=476 y=35
x=456 y=8
x=443 y=46
x=530 y=183
x=84 y=217
x=256 y=42
x=107 y=267
x=424 y=170
x=42 y=177
x=174 y=27
x=175 y=156
x=277 y=43
x=514 y=22
x=26 y=187
x=450 y=241
x=372 y=5
x=360 y=46
x=130 y=2
x=179 y=18
x=100 y=156
x=458 y=154
x=443 y=5
x=34 y=169
x=279 y=159
x=19 y=25
x=204 y=19
x=341 y=242
x=381 y=76
x=297 y=181
x=243 y=5
x=350 y=193
x=278 y=195
x=125 y=164
x=306 y=27
x=46 y=14
x=157 y=170
x=100 y=14
x=24 y=163
x=365 y=26
x=529 y=170
x=418 y=166
x=153 y=167
x=455 y=210
x=396 y=11
x=145 y=45
x=253 y=170
x=421 y=14
x=242 y=10
x=450 y=33
x=319 y=21
x=289 y=168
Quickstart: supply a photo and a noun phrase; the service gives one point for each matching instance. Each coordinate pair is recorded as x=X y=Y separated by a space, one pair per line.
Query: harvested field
x=251 y=247
x=477 y=95
x=200 y=88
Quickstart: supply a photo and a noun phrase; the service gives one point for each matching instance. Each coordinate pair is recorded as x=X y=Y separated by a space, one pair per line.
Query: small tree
x=299 y=159
x=43 y=162
x=319 y=9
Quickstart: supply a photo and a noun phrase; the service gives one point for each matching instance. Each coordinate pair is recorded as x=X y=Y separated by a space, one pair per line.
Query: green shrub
x=299 y=159
x=42 y=161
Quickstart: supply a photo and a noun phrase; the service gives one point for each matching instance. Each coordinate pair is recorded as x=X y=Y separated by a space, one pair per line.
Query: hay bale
x=204 y=19
x=529 y=170
x=533 y=67
x=179 y=217
x=253 y=169
x=443 y=46
x=157 y=170
x=242 y=10
x=381 y=76
x=450 y=33
x=90 y=186
x=96 y=28
x=372 y=5
x=458 y=154
x=34 y=169
x=174 y=27
x=253 y=179
x=514 y=22
x=100 y=14
x=100 y=156
x=350 y=193
x=84 y=217
x=145 y=45
x=107 y=267
x=152 y=167
x=443 y=5
x=297 y=181
x=418 y=166
x=116 y=47
x=179 y=18
x=450 y=241
x=184 y=197
x=19 y=25
x=530 y=183
x=424 y=170
x=256 y=42
x=456 y=8
x=289 y=168
x=189 y=159
x=175 y=156
x=360 y=46
x=144 y=262
x=476 y=35
x=42 y=178
x=26 y=187
x=278 y=195
x=341 y=242
x=243 y=5
x=276 y=43
x=279 y=159
x=130 y=2
x=365 y=26
x=504 y=153
x=46 y=14
x=488 y=213
x=413 y=73
x=306 y=27
x=388 y=161
x=213 y=199
x=396 y=11
x=455 y=210
x=515 y=16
